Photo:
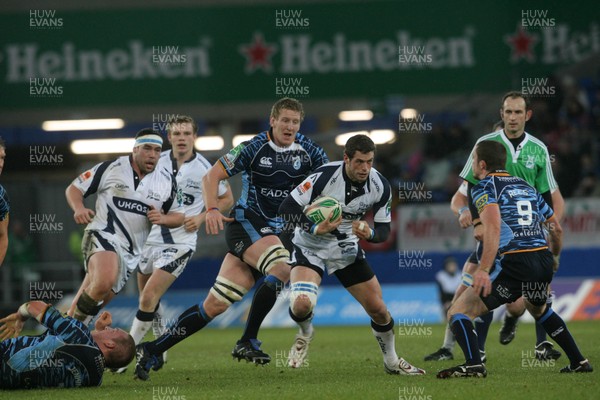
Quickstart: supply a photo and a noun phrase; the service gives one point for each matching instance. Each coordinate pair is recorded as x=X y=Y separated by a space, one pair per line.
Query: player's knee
x=224 y=293
x=377 y=310
x=303 y=298
x=273 y=256
x=148 y=301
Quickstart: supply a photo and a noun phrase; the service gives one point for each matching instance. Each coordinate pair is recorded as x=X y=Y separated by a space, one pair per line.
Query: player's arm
x=12 y=324
x=557 y=204
x=172 y=219
x=210 y=186
x=293 y=215
x=81 y=214
x=3 y=238
x=460 y=206
x=489 y=213
x=224 y=203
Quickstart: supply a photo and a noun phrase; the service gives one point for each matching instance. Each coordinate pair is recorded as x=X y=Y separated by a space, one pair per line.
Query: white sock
x=449 y=340
x=139 y=329
x=158 y=323
x=306 y=327
x=386 y=341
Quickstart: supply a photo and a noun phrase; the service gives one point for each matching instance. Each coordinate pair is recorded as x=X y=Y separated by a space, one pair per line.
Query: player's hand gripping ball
x=322 y=209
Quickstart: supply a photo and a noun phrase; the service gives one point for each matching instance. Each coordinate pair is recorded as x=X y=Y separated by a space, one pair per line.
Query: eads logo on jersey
x=85 y=176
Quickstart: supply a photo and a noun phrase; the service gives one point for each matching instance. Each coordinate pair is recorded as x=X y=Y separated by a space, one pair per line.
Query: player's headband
x=150 y=138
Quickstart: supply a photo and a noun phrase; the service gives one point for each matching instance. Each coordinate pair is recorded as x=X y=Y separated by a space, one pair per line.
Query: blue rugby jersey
x=4 y=204
x=270 y=172
x=64 y=356
x=522 y=211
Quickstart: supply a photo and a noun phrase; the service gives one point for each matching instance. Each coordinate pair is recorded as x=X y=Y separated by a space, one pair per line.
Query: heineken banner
x=433 y=227
x=374 y=49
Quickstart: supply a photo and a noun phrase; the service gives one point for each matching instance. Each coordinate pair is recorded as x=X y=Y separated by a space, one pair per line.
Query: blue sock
x=557 y=329
x=540 y=332
x=482 y=328
x=465 y=335
x=189 y=322
x=263 y=301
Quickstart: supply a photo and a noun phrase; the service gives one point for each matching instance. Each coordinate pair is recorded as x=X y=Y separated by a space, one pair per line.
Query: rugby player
x=515 y=260
x=333 y=246
x=530 y=161
x=132 y=195
x=272 y=164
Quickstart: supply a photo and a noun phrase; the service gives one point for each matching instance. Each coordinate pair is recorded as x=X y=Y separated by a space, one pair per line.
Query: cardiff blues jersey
x=4 y=203
x=64 y=356
x=270 y=172
x=522 y=211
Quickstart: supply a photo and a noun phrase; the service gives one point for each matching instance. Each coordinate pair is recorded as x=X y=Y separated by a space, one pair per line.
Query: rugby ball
x=323 y=208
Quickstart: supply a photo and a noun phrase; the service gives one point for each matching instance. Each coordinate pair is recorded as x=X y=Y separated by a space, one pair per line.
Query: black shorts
x=247 y=229
x=526 y=274
x=476 y=254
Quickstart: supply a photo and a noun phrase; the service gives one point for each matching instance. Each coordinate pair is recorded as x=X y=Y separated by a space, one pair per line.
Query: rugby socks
x=263 y=301
x=557 y=329
x=465 y=335
x=482 y=328
x=86 y=308
x=141 y=325
x=540 y=332
x=449 y=339
x=385 y=338
x=189 y=322
x=158 y=325
x=305 y=323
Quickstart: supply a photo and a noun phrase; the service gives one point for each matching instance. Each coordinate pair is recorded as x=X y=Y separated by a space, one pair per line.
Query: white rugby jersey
x=123 y=200
x=189 y=182
x=331 y=180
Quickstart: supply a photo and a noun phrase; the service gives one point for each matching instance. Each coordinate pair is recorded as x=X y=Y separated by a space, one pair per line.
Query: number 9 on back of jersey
x=323 y=208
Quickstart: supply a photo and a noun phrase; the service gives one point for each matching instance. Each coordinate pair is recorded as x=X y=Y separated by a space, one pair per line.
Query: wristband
x=372 y=234
x=313 y=229
x=462 y=210
x=214 y=208
x=24 y=311
x=477 y=224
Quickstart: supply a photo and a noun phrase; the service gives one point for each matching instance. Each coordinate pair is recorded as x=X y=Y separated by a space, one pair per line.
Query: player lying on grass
x=67 y=355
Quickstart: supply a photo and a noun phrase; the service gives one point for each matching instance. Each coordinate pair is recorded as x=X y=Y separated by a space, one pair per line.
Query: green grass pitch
x=345 y=363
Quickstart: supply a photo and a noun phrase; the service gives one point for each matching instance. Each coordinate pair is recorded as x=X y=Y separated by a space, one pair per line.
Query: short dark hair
x=122 y=354
x=182 y=119
x=287 y=103
x=493 y=153
x=147 y=131
x=514 y=94
x=361 y=143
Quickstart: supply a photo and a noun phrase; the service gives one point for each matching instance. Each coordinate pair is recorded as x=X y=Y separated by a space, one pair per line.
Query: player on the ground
x=132 y=195
x=529 y=160
x=333 y=246
x=167 y=251
x=272 y=164
x=67 y=355
x=515 y=260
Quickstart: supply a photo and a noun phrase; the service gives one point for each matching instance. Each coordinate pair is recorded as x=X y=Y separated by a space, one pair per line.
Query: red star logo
x=258 y=54
x=522 y=45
